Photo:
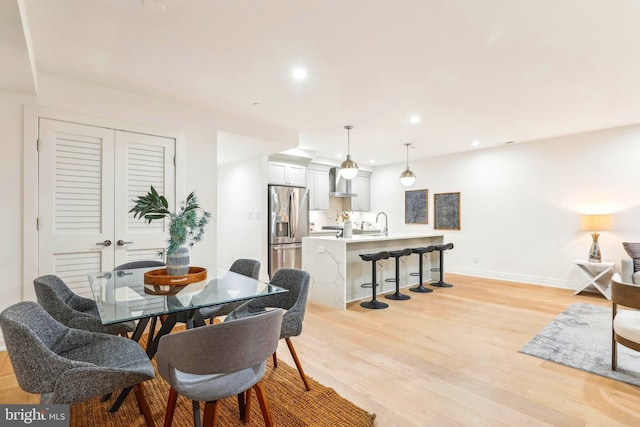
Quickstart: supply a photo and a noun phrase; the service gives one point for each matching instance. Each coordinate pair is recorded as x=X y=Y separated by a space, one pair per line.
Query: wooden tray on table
x=163 y=284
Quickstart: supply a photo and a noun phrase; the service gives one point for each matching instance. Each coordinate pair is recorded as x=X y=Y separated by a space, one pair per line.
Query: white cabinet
x=361 y=186
x=318 y=185
x=287 y=174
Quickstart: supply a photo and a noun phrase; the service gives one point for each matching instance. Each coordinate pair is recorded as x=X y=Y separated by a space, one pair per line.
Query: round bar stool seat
x=421 y=251
x=441 y=283
x=374 y=303
x=397 y=254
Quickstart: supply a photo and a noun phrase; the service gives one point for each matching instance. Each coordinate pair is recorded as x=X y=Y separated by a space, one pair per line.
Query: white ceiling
x=492 y=70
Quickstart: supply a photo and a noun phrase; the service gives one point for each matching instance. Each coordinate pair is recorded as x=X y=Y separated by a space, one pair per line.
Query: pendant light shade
x=407 y=177
x=348 y=168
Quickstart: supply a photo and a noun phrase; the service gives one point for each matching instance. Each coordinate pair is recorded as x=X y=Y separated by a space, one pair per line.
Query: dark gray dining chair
x=66 y=365
x=243 y=266
x=213 y=362
x=295 y=304
x=71 y=309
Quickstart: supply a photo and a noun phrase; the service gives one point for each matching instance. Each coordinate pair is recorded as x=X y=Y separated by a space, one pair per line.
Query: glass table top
x=122 y=295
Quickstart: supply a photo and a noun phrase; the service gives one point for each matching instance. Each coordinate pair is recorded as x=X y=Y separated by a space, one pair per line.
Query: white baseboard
x=518 y=278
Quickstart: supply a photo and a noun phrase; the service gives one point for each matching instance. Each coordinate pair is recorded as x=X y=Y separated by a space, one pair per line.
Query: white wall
x=197 y=128
x=242 y=192
x=521 y=203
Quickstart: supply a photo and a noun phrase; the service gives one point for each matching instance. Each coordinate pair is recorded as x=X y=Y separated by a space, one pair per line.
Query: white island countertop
x=376 y=237
x=337 y=270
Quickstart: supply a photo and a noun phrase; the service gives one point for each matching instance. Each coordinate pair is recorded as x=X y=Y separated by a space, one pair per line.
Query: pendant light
x=348 y=168
x=407 y=177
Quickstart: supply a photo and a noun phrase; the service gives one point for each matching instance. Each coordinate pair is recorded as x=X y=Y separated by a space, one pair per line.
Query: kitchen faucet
x=386 y=223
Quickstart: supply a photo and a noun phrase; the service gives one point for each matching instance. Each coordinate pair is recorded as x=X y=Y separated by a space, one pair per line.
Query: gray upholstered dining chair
x=625 y=324
x=294 y=302
x=66 y=365
x=217 y=361
x=71 y=309
x=244 y=266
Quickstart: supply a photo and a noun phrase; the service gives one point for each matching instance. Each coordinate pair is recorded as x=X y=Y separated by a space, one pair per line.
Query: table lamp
x=595 y=223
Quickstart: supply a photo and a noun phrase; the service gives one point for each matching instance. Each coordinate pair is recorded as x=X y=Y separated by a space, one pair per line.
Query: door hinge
x=174 y=160
x=37 y=223
x=38 y=144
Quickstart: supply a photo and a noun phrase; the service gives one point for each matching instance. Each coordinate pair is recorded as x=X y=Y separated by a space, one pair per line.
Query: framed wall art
x=415 y=206
x=446 y=211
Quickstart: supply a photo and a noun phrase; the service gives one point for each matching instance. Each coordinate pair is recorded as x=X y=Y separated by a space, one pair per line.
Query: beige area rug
x=291 y=405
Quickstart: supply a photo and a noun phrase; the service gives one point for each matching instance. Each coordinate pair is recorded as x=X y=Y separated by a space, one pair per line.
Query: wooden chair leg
x=143 y=405
x=210 y=413
x=275 y=359
x=247 y=406
x=297 y=362
x=171 y=407
x=264 y=405
x=614 y=358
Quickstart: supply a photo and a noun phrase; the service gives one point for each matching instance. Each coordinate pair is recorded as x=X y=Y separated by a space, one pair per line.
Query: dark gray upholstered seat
x=217 y=361
x=294 y=301
x=67 y=365
x=246 y=267
x=71 y=309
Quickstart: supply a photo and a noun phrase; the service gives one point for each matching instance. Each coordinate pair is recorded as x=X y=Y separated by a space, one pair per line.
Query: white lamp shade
x=348 y=169
x=407 y=178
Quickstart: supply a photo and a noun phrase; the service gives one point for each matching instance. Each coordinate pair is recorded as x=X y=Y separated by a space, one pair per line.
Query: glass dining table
x=123 y=295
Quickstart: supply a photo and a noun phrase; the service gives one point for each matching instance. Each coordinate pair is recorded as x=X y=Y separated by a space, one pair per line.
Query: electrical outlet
x=476 y=260
x=257 y=215
x=250 y=215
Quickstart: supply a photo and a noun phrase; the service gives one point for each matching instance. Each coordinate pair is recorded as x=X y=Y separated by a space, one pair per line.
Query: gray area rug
x=580 y=337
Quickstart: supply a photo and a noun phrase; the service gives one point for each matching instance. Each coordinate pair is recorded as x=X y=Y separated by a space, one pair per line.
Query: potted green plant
x=186 y=226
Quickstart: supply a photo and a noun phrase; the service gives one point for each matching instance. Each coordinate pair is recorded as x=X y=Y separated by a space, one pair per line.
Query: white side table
x=599 y=274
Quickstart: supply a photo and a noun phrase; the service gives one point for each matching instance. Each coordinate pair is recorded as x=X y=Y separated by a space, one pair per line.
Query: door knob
x=105 y=243
x=122 y=242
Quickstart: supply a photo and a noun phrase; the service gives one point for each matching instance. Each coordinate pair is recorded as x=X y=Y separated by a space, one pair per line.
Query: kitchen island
x=337 y=271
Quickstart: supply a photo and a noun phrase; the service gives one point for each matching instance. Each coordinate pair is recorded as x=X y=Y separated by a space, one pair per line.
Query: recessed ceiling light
x=155 y=6
x=475 y=143
x=372 y=161
x=299 y=73
x=414 y=119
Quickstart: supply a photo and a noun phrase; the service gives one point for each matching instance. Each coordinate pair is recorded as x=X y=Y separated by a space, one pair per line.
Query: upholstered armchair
x=625 y=325
x=630 y=267
x=245 y=267
x=66 y=365
x=213 y=362
x=295 y=304
x=71 y=309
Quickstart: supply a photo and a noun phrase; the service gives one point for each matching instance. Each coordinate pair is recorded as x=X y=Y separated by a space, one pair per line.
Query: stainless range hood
x=338 y=186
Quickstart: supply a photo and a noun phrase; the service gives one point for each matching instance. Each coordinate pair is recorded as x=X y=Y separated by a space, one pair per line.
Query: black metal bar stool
x=420 y=252
x=374 y=303
x=397 y=254
x=441 y=283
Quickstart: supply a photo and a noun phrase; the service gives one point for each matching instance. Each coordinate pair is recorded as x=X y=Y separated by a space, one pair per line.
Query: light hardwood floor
x=448 y=358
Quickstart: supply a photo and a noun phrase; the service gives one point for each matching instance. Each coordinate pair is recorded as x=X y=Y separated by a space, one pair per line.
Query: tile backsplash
x=339 y=204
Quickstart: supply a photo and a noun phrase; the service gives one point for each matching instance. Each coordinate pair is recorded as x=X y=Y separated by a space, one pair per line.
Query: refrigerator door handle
x=293 y=219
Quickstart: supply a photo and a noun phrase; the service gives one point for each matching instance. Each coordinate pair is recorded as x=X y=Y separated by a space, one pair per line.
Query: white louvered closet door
x=87 y=177
x=141 y=161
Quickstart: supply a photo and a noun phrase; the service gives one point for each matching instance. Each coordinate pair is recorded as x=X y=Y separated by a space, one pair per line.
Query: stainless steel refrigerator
x=288 y=223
